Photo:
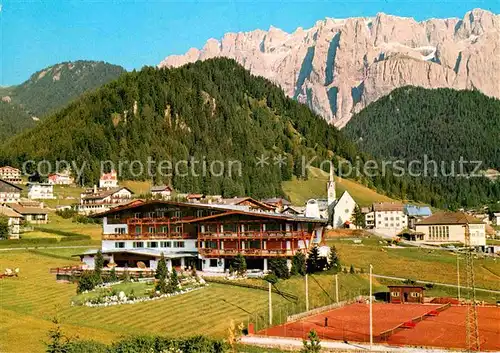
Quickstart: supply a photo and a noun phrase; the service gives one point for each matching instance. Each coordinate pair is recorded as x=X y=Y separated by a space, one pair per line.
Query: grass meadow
x=299 y=191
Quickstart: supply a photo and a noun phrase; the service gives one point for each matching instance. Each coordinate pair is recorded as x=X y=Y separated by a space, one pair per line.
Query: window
x=165 y=244
x=231 y=227
x=199 y=213
x=394 y=294
x=178 y=214
x=151 y=214
x=177 y=229
x=209 y=244
x=213 y=262
x=415 y=294
x=119 y=230
x=178 y=244
x=138 y=244
x=211 y=228
x=152 y=244
x=120 y=244
x=137 y=215
x=137 y=229
x=164 y=229
x=152 y=230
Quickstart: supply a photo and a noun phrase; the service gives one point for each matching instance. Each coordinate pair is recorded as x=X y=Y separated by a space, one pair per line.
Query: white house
x=161 y=192
x=10 y=174
x=389 y=218
x=108 y=180
x=496 y=219
x=338 y=212
x=96 y=201
x=9 y=193
x=63 y=178
x=40 y=191
x=14 y=221
x=450 y=227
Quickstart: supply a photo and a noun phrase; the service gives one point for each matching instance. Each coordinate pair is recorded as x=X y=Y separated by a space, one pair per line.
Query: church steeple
x=331 y=189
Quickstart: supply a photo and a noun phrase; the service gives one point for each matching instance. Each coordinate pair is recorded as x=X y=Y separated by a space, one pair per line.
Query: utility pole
x=270 y=306
x=472 y=338
x=307 y=293
x=337 y=287
x=371 y=309
x=458 y=276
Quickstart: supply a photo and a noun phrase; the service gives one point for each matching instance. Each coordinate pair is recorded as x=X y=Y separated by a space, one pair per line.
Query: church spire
x=331 y=189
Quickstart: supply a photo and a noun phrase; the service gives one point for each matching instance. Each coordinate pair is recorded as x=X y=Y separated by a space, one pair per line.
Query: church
x=338 y=212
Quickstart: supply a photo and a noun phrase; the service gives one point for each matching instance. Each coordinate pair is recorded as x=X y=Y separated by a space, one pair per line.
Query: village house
x=98 y=200
x=450 y=227
x=204 y=236
x=161 y=192
x=278 y=203
x=416 y=214
x=14 y=221
x=9 y=193
x=248 y=202
x=399 y=294
x=338 y=212
x=294 y=210
x=40 y=191
x=31 y=214
x=496 y=219
x=108 y=180
x=10 y=174
x=389 y=218
x=62 y=178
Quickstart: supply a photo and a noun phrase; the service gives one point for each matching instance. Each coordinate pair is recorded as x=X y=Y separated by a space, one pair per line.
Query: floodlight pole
x=337 y=288
x=371 y=309
x=458 y=277
x=307 y=293
x=270 y=306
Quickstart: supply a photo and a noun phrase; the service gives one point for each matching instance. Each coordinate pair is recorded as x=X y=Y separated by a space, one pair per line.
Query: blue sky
x=38 y=33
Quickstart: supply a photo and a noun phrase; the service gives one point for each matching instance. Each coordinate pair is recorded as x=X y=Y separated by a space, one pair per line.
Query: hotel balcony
x=246 y=252
x=255 y=235
x=146 y=236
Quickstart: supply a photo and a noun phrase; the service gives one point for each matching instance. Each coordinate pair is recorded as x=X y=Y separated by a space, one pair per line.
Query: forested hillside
x=50 y=89
x=443 y=124
x=213 y=110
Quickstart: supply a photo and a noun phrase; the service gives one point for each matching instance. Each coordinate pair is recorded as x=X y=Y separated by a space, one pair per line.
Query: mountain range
x=48 y=90
x=339 y=66
x=215 y=110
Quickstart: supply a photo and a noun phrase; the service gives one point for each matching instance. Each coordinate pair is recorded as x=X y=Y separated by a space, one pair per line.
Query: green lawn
x=28 y=303
x=299 y=191
x=415 y=263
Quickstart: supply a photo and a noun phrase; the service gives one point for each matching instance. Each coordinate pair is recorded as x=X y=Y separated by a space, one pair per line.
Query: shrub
x=86 y=347
x=240 y=264
x=351 y=270
x=67 y=213
x=87 y=281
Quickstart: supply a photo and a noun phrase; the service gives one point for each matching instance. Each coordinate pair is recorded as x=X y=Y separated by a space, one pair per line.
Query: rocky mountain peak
x=338 y=66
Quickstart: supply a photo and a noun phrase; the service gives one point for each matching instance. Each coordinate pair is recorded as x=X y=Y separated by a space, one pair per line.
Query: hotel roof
x=450 y=218
x=230 y=209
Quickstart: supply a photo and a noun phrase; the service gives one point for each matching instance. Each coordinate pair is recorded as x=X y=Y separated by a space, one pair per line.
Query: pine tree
x=98 y=265
x=313 y=260
x=351 y=270
x=298 y=264
x=173 y=282
x=58 y=341
x=279 y=267
x=334 y=261
x=161 y=268
x=4 y=227
x=313 y=345
x=358 y=218
x=240 y=264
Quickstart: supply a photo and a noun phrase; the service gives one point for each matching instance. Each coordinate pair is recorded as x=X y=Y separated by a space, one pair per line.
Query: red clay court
x=397 y=324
